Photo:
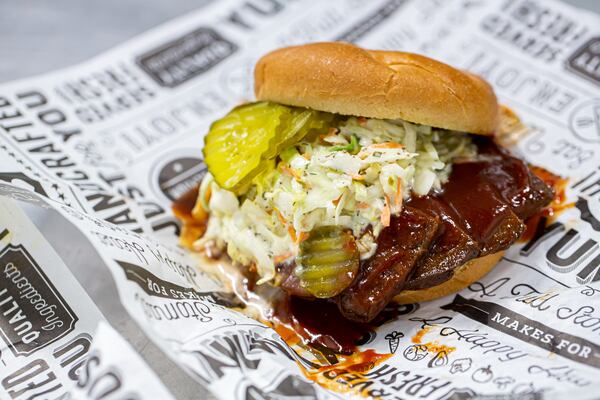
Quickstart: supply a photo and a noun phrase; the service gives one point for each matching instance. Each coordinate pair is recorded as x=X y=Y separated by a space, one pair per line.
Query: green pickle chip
x=241 y=145
x=328 y=261
x=235 y=144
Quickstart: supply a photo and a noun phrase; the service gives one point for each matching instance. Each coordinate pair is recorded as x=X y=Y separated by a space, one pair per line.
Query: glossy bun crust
x=345 y=79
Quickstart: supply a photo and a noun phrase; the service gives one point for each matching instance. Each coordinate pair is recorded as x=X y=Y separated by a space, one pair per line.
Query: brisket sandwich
x=363 y=177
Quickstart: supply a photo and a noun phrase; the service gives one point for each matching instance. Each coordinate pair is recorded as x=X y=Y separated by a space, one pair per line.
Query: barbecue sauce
x=537 y=222
x=316 y=323
x=183 y=206
x=487 y=203
x=193 y=228
x=319 y=324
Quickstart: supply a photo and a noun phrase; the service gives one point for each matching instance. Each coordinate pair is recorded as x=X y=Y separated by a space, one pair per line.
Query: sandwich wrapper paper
x=107 y=145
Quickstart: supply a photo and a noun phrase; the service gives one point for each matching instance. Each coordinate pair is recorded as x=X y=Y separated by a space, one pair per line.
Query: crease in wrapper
x=155 y=286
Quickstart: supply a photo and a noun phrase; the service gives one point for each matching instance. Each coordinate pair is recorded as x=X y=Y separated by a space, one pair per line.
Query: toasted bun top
x=345 y=79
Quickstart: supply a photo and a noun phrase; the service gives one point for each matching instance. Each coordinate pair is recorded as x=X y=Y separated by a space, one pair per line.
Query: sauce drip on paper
x=431 y=347
x=346 y=375
x=315 y=323
x=319 y=323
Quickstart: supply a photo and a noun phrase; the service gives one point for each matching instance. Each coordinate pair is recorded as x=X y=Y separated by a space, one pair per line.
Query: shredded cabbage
x=355 y=176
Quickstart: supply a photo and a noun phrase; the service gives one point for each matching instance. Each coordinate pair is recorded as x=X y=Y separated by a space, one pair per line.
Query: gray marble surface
x=38 y=36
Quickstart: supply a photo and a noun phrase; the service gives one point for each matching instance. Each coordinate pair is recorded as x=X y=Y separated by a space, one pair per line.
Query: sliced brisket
x=400 y=246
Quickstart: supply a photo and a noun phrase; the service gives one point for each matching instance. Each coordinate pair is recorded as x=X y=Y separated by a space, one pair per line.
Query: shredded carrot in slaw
x=386 y=213
x=296 y=238
x=290 y=228
x=292 y=233
x=290 y=171
x=364 y=152
x=398 y=199
x=387 y=145
x=331 y=133
x=282 y=257
x=302 y=237
x=280 y=217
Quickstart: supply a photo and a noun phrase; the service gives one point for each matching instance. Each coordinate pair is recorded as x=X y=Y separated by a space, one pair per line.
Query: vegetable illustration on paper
x=393 y=339
x=439 y=360
x=483 y=374
x=460 y=365
x=503 y=382
x=416 y=352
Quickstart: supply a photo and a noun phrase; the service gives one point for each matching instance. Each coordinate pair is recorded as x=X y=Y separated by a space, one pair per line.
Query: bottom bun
x=463 y=276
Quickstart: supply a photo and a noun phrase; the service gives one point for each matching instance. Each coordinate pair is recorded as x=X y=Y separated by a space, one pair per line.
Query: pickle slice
x=300 y=123
x=240 y=145
x=235 y=144
x=328 y=261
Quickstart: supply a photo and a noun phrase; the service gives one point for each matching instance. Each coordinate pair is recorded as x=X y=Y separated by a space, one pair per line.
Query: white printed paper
x=47 y=319
x=113 y=370
x=112 y=142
